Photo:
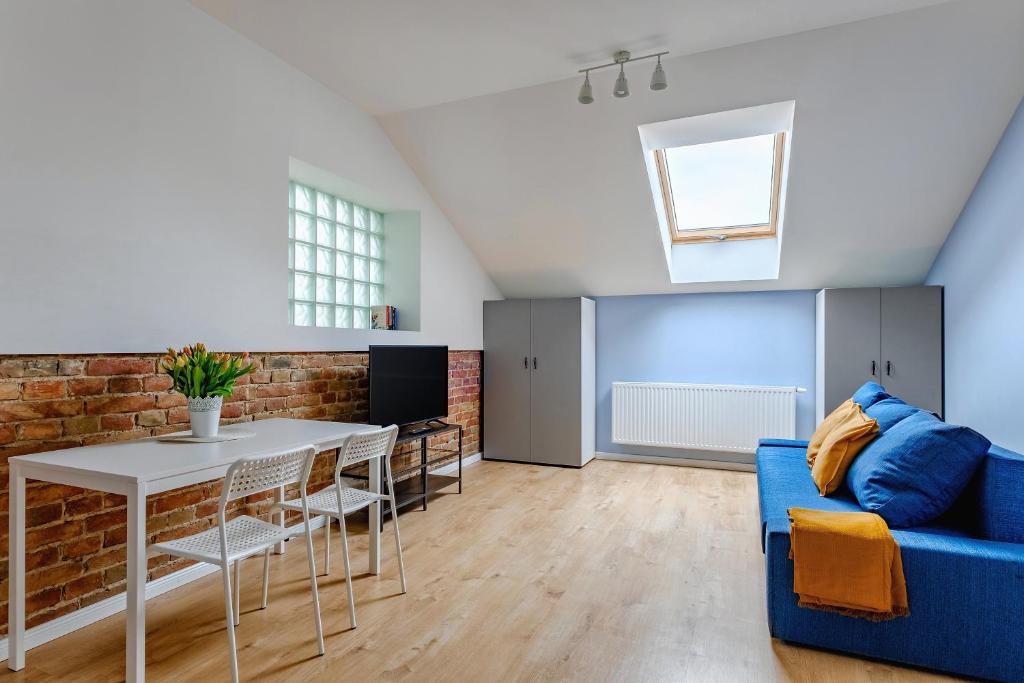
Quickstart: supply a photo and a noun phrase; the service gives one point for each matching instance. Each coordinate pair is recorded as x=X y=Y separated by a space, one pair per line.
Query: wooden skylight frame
x=720 y=233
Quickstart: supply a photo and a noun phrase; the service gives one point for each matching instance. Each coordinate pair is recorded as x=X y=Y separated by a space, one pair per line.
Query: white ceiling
x=895 y=119
x=393 y=55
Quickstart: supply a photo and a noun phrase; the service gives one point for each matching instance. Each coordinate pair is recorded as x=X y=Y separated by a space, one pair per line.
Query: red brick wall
x=76 y=538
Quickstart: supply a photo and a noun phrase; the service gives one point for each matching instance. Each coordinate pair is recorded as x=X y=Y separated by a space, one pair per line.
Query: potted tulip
x=204 y=378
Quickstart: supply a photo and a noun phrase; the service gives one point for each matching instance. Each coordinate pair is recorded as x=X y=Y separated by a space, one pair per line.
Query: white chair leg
x=230 y=613
x=313 y=586
x=266 y=578
x=348 y=572
x=238 y=592
x=327 y=545
x=398 y=538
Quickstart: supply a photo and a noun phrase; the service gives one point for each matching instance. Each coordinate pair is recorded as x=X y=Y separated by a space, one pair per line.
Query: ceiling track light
x=621 y=89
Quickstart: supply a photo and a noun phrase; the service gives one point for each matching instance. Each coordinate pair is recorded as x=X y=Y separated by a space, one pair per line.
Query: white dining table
x=139 y=468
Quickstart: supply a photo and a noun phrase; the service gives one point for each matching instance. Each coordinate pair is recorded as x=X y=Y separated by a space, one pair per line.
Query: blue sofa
x=964 y=571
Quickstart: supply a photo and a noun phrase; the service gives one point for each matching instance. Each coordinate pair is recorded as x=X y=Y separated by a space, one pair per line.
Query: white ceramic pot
x=204 y=414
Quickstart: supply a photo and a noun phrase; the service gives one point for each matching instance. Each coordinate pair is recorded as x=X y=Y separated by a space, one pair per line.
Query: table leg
x=373 y=483
x=279 y=516
x=16 y=572
x=135 y=628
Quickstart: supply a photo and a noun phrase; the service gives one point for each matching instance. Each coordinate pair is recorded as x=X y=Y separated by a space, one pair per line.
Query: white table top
x=146 y=460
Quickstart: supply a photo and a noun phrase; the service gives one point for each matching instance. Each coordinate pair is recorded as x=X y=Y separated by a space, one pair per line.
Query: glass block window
x=335 y=260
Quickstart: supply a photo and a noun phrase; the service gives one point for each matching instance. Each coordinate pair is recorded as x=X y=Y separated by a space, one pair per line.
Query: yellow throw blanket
x=847 y=562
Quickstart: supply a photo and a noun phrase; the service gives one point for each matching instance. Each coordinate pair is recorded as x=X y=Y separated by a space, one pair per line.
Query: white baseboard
x=453 y=467
x=678 y=462
x=80 y=618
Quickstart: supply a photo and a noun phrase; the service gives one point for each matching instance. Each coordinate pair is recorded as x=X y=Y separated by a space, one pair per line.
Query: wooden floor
x=617 y=572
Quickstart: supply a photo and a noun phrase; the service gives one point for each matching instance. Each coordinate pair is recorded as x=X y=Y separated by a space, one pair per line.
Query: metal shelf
x=419 y=488
x=409 y=490
x=430 y=462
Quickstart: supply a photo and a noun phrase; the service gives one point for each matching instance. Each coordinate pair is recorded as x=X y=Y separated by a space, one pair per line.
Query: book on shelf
x=383 y=318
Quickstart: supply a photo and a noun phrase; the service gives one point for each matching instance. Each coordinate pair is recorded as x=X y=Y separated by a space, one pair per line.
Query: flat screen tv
x=408 y=384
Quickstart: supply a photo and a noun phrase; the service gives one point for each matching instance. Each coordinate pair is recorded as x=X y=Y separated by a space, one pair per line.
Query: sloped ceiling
x=392 y=55
x=895 y=119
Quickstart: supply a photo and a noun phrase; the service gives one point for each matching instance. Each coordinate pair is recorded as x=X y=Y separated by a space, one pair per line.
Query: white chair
x=233 y=541
x=338 y=500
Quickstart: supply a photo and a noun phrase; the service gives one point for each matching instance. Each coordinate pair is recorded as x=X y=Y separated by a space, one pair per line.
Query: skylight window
x=726 y=189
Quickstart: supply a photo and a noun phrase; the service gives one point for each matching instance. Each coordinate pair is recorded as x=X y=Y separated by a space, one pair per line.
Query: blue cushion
x=870 y=394
x=889 y=411
x=915 y=471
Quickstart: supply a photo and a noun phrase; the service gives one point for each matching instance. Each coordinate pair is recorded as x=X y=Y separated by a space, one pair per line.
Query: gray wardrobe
x=890 y=335
x=539 y=394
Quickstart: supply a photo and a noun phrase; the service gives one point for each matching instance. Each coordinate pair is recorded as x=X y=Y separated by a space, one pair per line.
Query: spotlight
x=586 y=93
x=658 y=81
x=621 y=84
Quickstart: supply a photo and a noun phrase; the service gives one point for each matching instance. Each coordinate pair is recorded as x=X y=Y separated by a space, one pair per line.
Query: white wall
x=144 y=152
x=980 y=268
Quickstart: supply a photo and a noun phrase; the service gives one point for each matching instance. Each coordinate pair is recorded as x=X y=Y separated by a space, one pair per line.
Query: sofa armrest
x=782 y=443
x=978 y=550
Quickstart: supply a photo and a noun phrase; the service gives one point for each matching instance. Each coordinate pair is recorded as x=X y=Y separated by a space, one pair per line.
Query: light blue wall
x=982 y=268
x=725 y=338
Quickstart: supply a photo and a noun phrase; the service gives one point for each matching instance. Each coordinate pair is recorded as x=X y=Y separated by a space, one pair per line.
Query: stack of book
x=383 y=318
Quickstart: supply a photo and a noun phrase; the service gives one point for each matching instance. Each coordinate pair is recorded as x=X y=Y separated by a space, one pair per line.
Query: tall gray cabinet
x=539 y=375
x=892 y=335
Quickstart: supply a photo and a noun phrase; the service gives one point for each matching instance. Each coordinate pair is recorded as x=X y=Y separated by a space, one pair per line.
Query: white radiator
x=714 y=417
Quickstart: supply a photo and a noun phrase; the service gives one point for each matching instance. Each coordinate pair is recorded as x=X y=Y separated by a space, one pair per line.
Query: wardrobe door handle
x=888 y=368
x=535 y=362
x=526 y=363
x=873 y=374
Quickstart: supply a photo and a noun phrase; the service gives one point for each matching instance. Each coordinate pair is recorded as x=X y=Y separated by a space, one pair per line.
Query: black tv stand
x=418 y=488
